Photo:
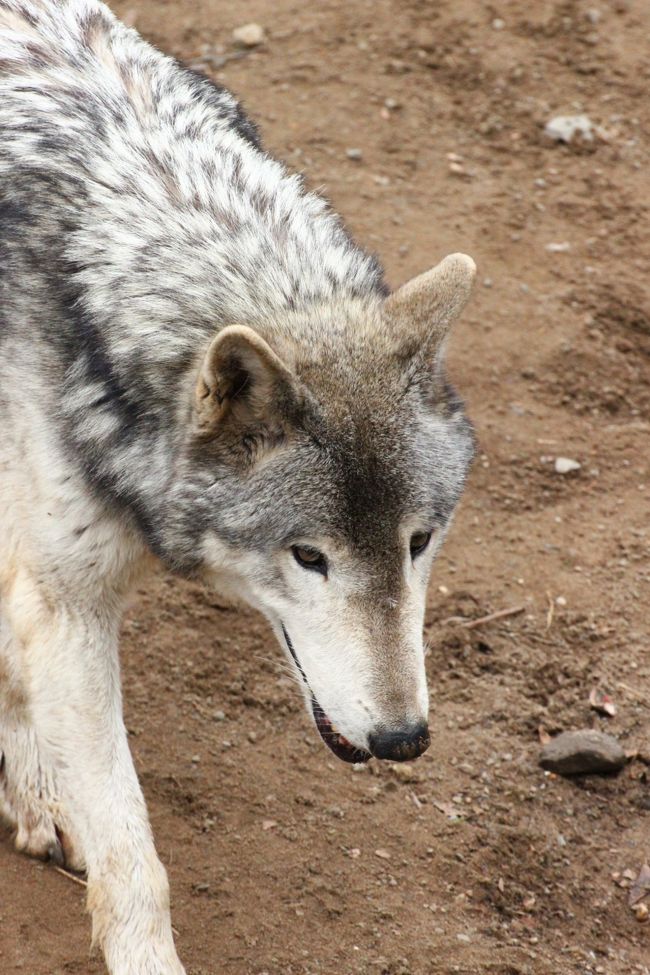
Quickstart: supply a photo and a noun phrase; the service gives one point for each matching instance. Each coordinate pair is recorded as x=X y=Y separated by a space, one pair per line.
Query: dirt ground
x=282 y=860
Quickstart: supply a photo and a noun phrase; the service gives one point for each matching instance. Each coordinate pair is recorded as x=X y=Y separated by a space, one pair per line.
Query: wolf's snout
x=402 y=745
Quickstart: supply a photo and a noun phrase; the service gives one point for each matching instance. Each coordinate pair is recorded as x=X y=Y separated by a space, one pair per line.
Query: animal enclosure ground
x=472 y=860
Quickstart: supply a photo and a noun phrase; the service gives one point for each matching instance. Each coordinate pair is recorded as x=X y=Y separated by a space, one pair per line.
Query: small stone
x=219 y=716
x=565 y=465
x=249 y=35
x=391 y=104
x=563 y=128
x=582 y=753
x=382 y=854
x=498 y=23
x=406 y=772
x=593 y=15
x=641 y=911
x=558 y=248
x=354 y=154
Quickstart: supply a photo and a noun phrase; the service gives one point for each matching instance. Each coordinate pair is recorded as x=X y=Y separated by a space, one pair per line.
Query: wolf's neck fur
x=161 y=220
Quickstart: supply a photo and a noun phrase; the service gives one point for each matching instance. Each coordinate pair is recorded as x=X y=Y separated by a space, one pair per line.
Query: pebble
x=561 y=248
x=582 y=753
x=562 y=128
x=355 y=154
x=564 y=465
x=249 y=35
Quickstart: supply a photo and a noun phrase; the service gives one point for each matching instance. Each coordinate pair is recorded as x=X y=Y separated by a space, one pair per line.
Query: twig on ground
x=551 y=611
x=499 y=615
x=72 y=876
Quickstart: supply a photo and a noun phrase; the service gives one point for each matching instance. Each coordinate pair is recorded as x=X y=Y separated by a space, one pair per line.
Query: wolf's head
x=336 y=452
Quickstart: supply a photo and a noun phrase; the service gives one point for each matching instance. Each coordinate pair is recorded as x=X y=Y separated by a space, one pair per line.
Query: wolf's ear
x=241 y=378
x=423 y=310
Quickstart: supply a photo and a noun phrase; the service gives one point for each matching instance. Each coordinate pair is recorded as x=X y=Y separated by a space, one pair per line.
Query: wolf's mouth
x=334 y=740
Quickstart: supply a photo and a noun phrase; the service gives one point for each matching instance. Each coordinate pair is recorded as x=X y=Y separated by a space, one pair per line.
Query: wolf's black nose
x=400 y=746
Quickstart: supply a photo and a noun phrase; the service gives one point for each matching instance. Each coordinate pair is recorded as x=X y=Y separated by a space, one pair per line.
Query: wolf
x=199 y=369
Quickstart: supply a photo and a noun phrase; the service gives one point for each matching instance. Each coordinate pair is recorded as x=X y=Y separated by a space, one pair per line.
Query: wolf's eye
x=310 y=558
x=419 y=542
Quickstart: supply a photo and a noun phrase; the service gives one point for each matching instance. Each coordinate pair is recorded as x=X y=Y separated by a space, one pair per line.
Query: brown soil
x=487 y=864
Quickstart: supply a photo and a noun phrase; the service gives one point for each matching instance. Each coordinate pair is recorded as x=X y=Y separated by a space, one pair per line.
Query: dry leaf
x=640 y=886
x=602 y=703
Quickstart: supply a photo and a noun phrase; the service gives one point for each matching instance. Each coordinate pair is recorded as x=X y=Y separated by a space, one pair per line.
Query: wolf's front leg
x=71 y=656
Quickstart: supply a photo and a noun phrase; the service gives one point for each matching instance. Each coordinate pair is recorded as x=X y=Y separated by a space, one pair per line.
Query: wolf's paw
x=40 y=828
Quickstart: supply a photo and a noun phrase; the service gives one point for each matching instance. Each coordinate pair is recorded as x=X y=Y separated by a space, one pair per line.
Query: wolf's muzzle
x=400 y=746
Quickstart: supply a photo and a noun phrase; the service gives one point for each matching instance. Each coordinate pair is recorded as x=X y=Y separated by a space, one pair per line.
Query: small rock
x=219 y=716
x=564 y=465
x=563 y=128
x=498 y=23
x=382 y=854
x=354 y=154
x=249 y=35
x=641 y=911
x=582 y=753
x=560 y=248
x=406 y=773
